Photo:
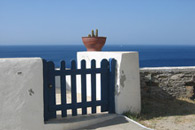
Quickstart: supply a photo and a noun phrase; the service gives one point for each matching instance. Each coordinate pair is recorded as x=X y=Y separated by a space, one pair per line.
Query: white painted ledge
x=182 y=68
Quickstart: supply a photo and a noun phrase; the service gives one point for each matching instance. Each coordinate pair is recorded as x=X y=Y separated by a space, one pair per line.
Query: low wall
x=167 y=82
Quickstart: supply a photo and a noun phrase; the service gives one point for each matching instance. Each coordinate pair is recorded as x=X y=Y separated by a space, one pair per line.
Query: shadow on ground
x=155 y=106
x=92 y=121
x=114 y=121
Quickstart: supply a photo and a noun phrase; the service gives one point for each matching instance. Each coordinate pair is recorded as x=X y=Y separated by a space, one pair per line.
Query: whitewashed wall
x=127 y=88
x=21 y=94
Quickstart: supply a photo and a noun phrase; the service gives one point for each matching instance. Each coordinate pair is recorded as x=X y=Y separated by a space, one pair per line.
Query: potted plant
x=93 y=42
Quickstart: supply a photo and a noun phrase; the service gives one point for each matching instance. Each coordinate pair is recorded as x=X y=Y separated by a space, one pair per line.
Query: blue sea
x=149 y=55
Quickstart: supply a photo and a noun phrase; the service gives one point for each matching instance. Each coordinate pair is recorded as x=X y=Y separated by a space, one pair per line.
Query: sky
x=137 y=22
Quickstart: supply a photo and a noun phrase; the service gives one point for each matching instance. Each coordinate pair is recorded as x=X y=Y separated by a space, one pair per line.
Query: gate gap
x=98 y=87
x=79 y=111
x=69 y=112
x=58 y=90
x=59 y=113
x=79 y=97
x=100 y=82
x=89 y=110
x=98 y=109
x=68 y=90
x=88 y=88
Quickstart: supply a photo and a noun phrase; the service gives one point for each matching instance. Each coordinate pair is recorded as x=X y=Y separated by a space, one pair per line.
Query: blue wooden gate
x=107 y=72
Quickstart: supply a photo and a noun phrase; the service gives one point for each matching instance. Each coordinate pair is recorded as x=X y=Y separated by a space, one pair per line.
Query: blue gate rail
x=107 y=103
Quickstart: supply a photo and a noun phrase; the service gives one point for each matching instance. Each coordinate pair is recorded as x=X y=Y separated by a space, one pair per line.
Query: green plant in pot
x=93 y=42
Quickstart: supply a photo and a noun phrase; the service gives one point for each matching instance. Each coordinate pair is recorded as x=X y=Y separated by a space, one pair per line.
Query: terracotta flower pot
x=94 y=43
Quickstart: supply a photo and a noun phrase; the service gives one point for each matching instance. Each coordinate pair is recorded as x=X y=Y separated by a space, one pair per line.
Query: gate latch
x=50 y=86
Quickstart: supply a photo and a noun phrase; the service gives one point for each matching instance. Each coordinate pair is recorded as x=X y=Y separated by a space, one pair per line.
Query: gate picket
x=83 y=86
x=73 y=88
x=63 y=88
x=111 y=92
x=93 y=86
x=104 y=85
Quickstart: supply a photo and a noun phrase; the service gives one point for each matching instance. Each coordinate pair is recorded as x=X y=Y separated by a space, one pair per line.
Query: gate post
x=45 y=91
x=49 y=90
x=111 y=96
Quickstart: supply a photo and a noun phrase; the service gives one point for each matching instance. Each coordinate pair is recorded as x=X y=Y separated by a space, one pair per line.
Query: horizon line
x=104 y=45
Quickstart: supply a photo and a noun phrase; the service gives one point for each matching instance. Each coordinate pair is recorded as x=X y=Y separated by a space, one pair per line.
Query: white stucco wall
x=127 y=88
x=21 y=94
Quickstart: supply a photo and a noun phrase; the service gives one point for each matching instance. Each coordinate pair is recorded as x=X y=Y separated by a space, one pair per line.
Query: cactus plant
x=96 y=33
x=92 y=33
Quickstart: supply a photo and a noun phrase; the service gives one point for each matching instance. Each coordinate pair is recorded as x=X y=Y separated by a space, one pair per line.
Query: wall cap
x=164 y=69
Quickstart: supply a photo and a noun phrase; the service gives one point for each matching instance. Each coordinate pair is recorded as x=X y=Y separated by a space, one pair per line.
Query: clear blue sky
x=122 y=21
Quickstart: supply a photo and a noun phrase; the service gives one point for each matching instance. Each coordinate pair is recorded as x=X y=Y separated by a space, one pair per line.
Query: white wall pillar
x=127 y=88
x=21 y=94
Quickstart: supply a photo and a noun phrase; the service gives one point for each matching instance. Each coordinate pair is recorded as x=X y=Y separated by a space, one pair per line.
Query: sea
x=149 y=55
